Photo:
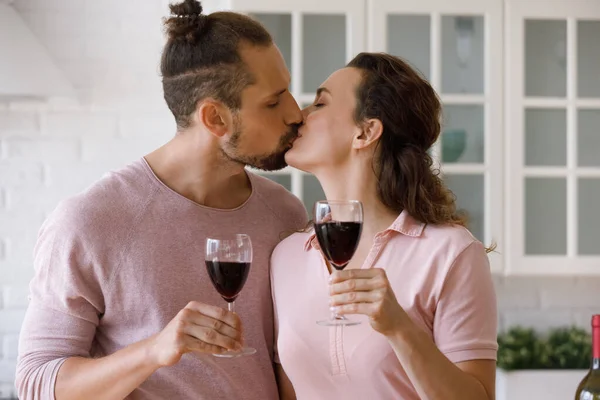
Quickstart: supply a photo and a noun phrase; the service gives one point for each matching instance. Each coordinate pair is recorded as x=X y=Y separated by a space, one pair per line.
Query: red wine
x=338 y=241
x=589 y=388
x=228 y=277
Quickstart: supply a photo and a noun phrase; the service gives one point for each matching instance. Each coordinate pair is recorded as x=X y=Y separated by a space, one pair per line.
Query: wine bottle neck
x=596 y=365
x=596 y=343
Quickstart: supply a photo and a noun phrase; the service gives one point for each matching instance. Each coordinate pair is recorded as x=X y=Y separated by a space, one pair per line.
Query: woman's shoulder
x=451 y=235
x=293 y=244
x=450 y=245
x=291 y=252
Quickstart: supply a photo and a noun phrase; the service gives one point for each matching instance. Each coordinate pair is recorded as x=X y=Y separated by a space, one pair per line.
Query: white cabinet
x=520 y=85
x=553 y=136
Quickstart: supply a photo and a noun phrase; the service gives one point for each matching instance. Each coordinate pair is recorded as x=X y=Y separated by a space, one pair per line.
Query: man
x=121 y=304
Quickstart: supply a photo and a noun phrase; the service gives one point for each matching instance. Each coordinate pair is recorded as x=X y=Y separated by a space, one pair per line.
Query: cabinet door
x=553 y=153
x=315 y=38
x=457 y=46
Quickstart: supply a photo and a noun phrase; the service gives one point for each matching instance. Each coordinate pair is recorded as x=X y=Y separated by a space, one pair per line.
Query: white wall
x=110 y=50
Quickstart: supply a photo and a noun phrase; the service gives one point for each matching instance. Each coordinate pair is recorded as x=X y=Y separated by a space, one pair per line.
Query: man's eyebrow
x=278 y=93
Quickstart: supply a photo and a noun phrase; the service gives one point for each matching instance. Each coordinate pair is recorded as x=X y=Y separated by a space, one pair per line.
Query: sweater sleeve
x=65 y=304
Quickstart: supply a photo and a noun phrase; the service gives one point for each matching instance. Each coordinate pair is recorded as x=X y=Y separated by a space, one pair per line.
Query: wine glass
x=338 y=226
x=228 y=263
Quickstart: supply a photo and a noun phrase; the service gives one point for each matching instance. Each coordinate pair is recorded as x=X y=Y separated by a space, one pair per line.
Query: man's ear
x=215 y=117
x=371 y=131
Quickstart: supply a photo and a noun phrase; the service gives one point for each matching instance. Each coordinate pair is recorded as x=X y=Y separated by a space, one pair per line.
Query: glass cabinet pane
x=324 y=48
x=312 y=193
x=545 y=216
x=545 y=58
x=589 y=216
x=469 y=192
x=409 y=37
x=462 y=137
x=284 y=180
x=588 y=137
x=545 y=137
x=280 y=27
x=462 y=54
x=588 y=58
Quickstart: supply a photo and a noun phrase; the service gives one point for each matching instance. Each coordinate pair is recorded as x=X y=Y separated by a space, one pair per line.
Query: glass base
x=338 y=321
x=246 y=351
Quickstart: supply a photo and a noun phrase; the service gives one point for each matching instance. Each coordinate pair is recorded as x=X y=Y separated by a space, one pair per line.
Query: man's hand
x=198 y=328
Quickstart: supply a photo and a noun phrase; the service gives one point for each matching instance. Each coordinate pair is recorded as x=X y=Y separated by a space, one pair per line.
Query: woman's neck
x=359 y=184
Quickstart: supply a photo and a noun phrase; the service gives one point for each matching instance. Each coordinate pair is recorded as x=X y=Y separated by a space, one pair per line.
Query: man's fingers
x=211 y=325
x=212 y=337
x=196 y=345
x=217 y=313
x=215 y=324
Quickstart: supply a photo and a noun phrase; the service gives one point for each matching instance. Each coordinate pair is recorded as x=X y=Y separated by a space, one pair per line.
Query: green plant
x=571 y=348
x=563 y=348
x=519 y=348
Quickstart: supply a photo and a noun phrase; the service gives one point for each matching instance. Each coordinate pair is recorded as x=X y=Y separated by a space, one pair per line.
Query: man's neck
x=195 y=168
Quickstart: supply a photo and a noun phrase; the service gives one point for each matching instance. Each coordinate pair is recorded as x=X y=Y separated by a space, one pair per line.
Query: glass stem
x=231 y=306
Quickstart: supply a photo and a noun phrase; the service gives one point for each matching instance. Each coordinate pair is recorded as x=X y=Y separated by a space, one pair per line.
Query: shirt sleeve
x=65 y=304
x=465 y=321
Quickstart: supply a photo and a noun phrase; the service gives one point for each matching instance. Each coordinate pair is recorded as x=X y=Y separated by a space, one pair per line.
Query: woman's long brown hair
x=410 y=112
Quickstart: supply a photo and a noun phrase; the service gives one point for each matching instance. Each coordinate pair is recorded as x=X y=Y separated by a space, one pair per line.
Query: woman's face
x=325 y=140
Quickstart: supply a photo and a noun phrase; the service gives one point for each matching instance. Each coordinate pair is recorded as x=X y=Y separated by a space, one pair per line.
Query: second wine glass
x=338 y=226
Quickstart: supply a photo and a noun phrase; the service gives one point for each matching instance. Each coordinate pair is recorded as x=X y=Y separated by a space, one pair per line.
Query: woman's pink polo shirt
x=440 y=276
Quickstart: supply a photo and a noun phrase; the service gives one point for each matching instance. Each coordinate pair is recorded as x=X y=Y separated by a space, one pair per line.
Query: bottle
x=589 y=388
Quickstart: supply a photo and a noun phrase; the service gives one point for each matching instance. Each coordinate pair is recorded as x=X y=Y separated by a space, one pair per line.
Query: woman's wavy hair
x=410 y=112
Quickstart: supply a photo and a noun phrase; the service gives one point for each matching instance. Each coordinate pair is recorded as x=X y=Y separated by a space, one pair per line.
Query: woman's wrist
x=403 y=331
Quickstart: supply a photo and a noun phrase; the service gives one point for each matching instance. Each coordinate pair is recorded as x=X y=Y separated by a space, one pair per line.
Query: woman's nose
x=306 y=111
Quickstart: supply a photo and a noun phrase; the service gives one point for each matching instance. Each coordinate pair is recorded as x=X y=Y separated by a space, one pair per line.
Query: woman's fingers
x=371 y=296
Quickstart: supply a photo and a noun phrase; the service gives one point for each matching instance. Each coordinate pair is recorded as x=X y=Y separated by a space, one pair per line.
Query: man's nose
x=296 y=115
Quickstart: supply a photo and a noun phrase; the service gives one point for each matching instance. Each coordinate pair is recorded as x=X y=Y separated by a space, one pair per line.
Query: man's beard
x=266 y=162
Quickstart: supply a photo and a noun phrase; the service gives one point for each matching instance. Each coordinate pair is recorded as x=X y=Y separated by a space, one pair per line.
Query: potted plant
x=545 y=367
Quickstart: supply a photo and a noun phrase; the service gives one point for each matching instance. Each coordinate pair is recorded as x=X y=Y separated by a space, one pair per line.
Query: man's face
x=267 y=123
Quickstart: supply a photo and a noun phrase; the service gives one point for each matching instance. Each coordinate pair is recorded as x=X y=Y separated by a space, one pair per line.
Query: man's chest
x=151 y=287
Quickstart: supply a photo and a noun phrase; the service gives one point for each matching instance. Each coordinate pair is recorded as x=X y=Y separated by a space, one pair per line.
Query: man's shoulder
x=284 y=204
x=112 y=201
x=266 y=186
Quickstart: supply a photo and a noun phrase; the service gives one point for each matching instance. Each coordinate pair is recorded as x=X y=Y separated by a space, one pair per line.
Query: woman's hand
x=368 y=292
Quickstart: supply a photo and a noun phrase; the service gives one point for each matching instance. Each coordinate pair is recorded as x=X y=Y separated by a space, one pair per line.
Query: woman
x=419 y=282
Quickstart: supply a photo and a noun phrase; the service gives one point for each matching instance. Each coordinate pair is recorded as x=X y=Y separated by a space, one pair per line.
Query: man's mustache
x=292 y=133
